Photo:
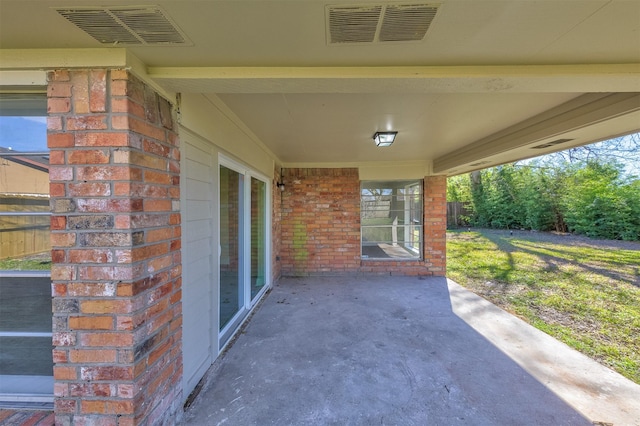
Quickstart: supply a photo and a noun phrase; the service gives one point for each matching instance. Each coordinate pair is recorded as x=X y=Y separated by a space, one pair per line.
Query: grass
x=584 y=293
x=35 y=262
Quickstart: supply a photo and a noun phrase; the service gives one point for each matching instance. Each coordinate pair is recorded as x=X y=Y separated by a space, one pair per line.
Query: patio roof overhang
x=491 y=82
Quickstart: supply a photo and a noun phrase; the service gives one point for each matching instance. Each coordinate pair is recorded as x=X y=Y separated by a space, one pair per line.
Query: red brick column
x=115 y=234
x=435 y=224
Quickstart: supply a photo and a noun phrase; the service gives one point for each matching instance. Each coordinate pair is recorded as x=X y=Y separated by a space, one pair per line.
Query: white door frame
x=233 y=325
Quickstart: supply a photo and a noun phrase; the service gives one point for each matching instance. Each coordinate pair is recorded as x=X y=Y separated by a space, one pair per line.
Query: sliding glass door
x=244 y=228
x=231 y=291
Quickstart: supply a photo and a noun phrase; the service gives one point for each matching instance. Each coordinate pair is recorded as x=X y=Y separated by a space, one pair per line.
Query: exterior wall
x=320 y=221
x=207 y=129
x=321 y=226
x=115 y=235
x=208 y=117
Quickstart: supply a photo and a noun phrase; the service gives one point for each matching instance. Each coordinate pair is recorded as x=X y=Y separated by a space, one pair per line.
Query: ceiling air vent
x=379 y=23
x=130 y=25
x=552 y=143
x=353 y=24
x=406 y=22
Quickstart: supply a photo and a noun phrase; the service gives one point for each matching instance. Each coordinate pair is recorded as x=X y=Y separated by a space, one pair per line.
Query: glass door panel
x=258 y=235
x=413 y=232
x=231 y=236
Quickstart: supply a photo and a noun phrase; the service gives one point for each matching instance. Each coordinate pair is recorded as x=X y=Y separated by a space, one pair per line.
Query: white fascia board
x=23 y=78
x=49 y=59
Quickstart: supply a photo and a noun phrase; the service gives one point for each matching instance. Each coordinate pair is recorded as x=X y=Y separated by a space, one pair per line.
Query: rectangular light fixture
x=384 y=138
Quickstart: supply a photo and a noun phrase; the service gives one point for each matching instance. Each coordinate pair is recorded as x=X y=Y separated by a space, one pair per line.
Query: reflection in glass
x=24 y=194
x=258 y=237
x=23 y=133
x=231 y=292
x=26 y=363
x=391 y=219
x=24 y=236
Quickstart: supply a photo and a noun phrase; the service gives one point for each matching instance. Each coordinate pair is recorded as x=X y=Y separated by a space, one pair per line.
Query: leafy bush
x=600 y=205
x=591 y=199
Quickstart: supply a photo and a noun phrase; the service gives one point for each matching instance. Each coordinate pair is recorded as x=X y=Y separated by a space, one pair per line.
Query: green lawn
x=34 y=262
x=585 y=293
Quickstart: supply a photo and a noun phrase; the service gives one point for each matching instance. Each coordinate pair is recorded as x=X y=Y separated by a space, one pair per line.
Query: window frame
x=406 y=199
x=18 y=388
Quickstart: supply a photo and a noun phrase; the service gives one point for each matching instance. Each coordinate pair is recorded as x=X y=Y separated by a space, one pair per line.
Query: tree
x=584 y=190
x=601 y=204
x=624 y=150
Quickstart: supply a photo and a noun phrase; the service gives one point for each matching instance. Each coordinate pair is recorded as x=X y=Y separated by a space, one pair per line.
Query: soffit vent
x=406 y=23
x=552 y=143
x=379 y=23
x=130 y=25
x=353 y=24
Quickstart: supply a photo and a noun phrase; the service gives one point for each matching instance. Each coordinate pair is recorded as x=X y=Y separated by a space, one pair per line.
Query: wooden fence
x=23 y=235
x=457 y=214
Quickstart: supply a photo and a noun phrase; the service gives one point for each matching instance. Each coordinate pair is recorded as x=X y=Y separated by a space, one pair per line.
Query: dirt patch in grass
x=567 y=239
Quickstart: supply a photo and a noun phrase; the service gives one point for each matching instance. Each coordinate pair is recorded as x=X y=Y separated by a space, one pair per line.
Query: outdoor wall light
x=280 y=186
x=384 y=138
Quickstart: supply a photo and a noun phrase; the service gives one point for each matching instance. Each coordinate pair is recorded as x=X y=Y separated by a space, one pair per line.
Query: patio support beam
x=428 y=79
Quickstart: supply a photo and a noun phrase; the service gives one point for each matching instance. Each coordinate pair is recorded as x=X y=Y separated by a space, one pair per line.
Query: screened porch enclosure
x=391 y=219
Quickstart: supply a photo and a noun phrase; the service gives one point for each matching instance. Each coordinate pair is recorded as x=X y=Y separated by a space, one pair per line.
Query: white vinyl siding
x=199 y=259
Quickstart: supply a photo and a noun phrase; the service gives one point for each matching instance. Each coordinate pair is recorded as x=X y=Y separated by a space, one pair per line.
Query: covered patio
x=202 y=152
x=390 y=350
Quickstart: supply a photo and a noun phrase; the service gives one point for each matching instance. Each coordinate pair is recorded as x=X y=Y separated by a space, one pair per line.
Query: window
x=391 y=219
x=26 y=363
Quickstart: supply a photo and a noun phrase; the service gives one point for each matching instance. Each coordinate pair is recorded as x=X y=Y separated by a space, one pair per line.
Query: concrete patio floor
x=402 y=351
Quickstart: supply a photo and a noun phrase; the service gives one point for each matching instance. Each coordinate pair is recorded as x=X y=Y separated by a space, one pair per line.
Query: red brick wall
x=320 y=221
x=320 y=228
x=115 y=234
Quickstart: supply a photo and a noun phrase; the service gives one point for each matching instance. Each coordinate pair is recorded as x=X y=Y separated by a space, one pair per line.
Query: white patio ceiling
x=490 y=80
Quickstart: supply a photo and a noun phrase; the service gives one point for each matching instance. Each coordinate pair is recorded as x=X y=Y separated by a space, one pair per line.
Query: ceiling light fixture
x=384 y=138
